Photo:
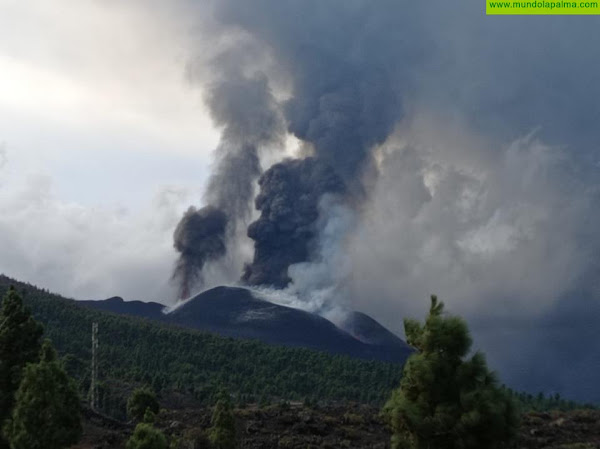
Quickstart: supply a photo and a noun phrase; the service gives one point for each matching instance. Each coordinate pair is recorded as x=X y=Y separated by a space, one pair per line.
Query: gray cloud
x=505 y=244
x=3 y=154
x=88 y=252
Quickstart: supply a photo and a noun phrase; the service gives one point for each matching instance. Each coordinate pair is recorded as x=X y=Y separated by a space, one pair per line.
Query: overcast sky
x=103 y=138
x=90 y=90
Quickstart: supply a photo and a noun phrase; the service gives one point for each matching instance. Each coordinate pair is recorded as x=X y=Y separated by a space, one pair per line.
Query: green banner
x=541 y=7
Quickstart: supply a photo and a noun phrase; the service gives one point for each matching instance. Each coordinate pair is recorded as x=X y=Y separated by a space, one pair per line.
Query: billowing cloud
x=88 y=253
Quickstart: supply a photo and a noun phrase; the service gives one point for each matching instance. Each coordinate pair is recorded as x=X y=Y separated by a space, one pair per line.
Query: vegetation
x=141 y=401
x=445 y=400
x=149 y=416
x=136 y=352
x=39 y=404
x=222 y=431
x=542 y=403
x=145 y=436
x=46 y=412
x=20 y=337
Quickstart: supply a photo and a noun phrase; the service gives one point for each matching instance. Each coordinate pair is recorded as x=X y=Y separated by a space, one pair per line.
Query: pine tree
x=145 y=436
x=446 y=401
x=20 y=338
x=222 y=432
x=46 y=413
x=142 y=399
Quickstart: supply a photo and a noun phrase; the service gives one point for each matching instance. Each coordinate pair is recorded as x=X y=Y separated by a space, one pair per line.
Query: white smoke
x=316 y=285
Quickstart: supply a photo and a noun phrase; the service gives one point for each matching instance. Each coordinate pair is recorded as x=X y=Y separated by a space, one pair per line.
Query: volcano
x=237 y=312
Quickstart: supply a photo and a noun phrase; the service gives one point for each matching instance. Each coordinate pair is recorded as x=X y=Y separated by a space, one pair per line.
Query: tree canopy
x=446 y=400
x=222 y=432
x=46 y=414
x=20 y=337
x=141 y=401
x=146 y=436
x=134 y=351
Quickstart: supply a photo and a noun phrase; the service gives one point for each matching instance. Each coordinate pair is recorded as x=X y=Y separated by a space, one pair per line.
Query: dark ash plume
x=199 y=238
x=345 y=100
x=345 y=117
x=251 y=121
x=346 y=80
x=248 y=113
x=284 y=234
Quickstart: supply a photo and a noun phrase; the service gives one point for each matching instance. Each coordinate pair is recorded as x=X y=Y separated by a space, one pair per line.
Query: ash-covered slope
x=236 y=312
x=367 y=330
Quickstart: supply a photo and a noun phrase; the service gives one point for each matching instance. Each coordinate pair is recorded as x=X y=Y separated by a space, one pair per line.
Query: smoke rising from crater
x=343 y=110
x=340 y=101
x=286 y=232
x=199 y=238
x=246 y=110
x=248 y=113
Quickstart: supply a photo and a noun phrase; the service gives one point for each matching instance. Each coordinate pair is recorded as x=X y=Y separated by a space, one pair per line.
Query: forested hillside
x=186 y=365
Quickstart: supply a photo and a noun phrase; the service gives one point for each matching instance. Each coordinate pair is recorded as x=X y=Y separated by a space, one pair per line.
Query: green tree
x=222 y=431
x=46 y=413
x=20 y=338
x=446 y=401
x=145 y=436
x=149 y=416
x=142 y=399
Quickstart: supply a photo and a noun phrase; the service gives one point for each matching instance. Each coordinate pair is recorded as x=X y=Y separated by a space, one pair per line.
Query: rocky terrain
x=296 y=426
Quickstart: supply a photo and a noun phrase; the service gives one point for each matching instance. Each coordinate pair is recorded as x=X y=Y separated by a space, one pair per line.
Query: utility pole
x=94 y=382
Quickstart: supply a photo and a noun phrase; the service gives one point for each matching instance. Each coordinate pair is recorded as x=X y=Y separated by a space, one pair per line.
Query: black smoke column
x=285 y=232
x=199 y=238
x=251 y=122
